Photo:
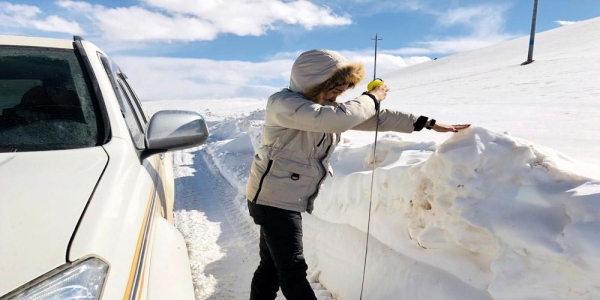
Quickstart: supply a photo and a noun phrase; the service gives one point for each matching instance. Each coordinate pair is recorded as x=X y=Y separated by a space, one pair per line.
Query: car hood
x=42 y=197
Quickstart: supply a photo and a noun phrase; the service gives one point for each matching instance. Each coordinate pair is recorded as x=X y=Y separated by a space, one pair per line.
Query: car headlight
x=79 y=281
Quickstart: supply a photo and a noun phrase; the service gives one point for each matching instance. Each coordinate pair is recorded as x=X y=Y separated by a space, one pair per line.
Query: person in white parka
x=302 y=127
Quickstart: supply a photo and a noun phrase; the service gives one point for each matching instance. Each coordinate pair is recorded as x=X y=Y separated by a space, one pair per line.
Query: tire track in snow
x=222 y=246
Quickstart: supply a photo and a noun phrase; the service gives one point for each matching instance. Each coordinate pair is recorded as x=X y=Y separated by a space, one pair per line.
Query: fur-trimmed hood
x=319 y=70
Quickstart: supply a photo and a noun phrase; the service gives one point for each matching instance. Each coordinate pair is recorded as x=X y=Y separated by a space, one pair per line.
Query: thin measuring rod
x=362 y=286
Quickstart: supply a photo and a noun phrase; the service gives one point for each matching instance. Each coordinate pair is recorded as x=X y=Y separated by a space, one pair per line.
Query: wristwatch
x=431 y=124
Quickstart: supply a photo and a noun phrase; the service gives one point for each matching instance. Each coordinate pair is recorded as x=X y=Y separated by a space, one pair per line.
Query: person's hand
x=439 y=127
x=380 y=92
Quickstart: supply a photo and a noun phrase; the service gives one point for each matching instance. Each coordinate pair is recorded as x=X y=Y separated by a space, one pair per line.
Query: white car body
x=112 y=202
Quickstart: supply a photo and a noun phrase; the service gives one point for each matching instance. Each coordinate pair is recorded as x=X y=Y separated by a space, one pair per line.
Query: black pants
x=282 y=261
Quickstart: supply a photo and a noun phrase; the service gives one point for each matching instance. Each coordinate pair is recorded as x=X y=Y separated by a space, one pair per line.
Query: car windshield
x=45 y=103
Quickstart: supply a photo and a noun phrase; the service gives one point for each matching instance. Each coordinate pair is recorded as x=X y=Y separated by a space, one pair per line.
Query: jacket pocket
x=322 y=139
x=291 y=180
x=262 y=179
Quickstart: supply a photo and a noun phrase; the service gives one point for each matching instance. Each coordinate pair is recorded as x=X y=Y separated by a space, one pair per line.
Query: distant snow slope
x=550 y=102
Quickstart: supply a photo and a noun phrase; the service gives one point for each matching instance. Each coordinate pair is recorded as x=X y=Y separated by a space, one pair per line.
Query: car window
x=134 y=99
x=45 y=103
x=131 y=101
x=135 y=126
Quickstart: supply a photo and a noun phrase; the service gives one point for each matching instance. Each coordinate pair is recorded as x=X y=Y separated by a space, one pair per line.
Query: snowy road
x=222 y=242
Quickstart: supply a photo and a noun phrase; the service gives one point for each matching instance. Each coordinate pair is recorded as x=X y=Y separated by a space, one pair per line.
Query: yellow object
x=374 y=83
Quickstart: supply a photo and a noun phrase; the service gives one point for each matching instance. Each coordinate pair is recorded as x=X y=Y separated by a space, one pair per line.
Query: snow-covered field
x=508 y=209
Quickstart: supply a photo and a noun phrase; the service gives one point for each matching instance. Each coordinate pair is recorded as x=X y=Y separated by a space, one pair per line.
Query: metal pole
x=375 y=64
x=532 y=34
x=362 y=286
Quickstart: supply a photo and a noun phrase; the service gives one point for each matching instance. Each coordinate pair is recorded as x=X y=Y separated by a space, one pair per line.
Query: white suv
x=86 y=185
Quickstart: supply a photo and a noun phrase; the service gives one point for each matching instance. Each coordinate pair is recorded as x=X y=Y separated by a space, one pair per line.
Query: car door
x=156 y=164
x=155 y=167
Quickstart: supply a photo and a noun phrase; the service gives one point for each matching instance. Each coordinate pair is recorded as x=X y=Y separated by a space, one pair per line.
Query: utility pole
x=375 y=64
x=532 y=34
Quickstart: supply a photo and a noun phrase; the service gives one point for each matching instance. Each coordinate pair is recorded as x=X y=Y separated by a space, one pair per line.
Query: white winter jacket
x=300 y=135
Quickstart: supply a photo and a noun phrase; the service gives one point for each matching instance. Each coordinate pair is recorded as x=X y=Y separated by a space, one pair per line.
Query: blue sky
x=244 y=48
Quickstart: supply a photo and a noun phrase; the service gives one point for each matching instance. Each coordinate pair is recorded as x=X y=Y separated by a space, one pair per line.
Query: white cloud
x=19 y=12
x=371 y=7
x=57 y=24
x=160 y=78
x=387 y=61
x=484 y=24
x=28 y=16
x=253 y=17
x=565 y=23
x=179 y=78
x=482 y=20
x=137 y=24
x=189 y=20
x=79 y=6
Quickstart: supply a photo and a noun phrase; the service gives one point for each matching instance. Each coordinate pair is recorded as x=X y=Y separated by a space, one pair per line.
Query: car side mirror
x=174 y=130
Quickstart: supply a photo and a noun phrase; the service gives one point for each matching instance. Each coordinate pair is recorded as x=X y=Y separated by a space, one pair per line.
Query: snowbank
x=481 y=216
